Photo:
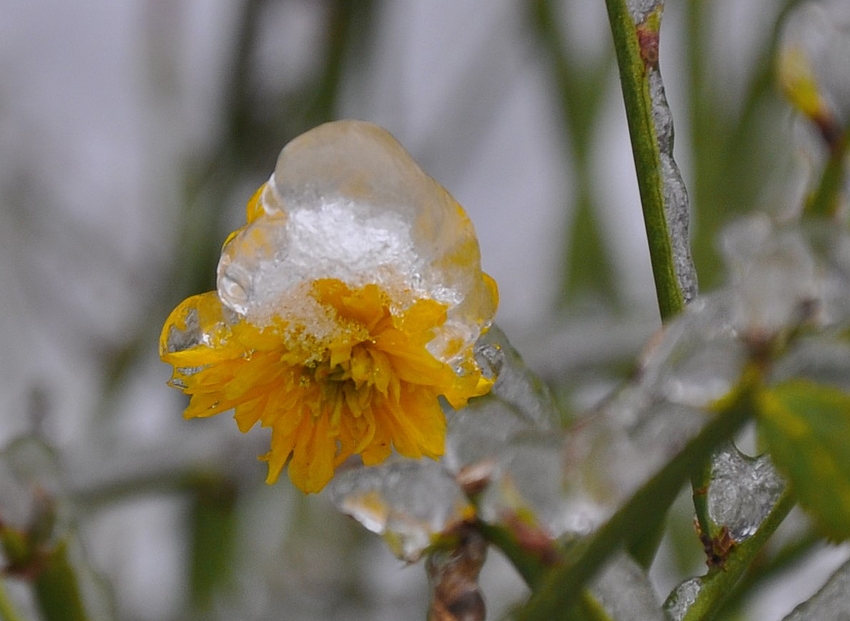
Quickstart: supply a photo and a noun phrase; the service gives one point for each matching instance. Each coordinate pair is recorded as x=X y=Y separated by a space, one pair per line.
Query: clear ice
x=742 y=491
x=782 y=276
x=406 y=501
x=682 y=598
x=625 y=591
x=676 y=201
x=346 y=201
x=831 y=603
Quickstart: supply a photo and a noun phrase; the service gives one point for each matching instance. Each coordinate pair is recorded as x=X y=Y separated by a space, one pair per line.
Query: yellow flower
x=338 y=361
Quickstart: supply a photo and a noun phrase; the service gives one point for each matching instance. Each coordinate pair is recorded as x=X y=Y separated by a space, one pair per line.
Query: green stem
x=825 y=200
x=561 y=587
x=8 y=612
x=762 y=573
x=645 y=149
x=529 y=565
x=57 y=588
x=719 y=584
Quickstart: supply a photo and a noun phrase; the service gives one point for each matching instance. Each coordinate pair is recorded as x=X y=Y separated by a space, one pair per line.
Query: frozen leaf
x=828 y=604
x=742 y=491
x=682 y=598
x=807 y=428
x=408 y=502
x=625 y=591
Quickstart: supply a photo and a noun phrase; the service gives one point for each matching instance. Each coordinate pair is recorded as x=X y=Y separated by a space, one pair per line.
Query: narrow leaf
x=807 y=428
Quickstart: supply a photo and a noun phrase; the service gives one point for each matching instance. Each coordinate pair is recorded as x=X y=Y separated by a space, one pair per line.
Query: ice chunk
x=783 y=276
x=698 y=358
x=346 y=201
x=742 y=491
x=828 y=604
x=682 y=598
x=624 y=590
x=408 y=502
x=608 y=456
x=527 y=481
x=773 y=275
x=516 y=385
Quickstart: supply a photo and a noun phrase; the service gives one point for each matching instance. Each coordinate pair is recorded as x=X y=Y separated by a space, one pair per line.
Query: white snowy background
x=102 y=102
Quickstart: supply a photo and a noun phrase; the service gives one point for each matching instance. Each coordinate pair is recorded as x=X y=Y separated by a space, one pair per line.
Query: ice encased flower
x=348 y=303
x=346 y=201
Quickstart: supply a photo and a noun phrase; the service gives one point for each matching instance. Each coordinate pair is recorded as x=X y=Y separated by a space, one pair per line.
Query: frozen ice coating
x=828 y=604
x=407 y=502
x=676 y=201
x=346 y=201
x=625 y=591
x=782 y=276
x=682 y=598
x=742 y=492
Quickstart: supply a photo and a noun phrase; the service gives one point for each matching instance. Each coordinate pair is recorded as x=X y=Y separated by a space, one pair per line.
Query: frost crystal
x=742 y=492
x=828 y=604
x=347 y=202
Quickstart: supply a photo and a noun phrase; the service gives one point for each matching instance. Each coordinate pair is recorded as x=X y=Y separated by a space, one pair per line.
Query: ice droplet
x=742 y=491
x=626 y=593
x=682 y=598
x=828 y=604
x=346 y=201
x=407 y=502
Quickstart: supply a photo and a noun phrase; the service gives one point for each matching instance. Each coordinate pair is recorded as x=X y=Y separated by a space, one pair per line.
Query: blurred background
x=132 y=132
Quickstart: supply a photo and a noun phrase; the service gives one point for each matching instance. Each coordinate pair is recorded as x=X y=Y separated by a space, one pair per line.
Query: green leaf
x=807 y=429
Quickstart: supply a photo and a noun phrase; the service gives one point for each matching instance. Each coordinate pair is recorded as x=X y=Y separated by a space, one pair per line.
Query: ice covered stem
x=562 y=586
x=635 y=25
